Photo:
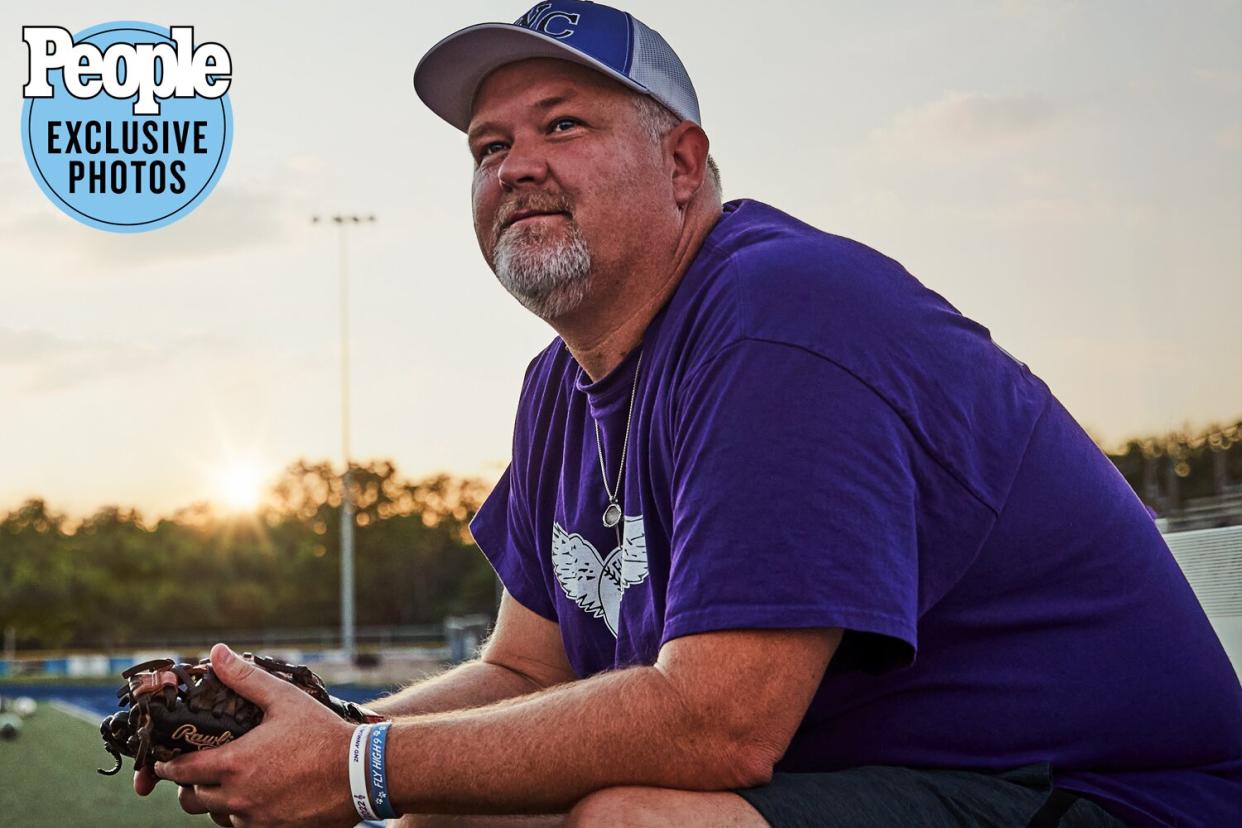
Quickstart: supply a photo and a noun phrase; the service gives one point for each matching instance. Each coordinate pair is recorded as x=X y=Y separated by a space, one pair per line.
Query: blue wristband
x=377 y=771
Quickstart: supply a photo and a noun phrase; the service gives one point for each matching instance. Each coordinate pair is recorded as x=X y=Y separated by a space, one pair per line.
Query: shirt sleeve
x=794 y=504
x=502 y=529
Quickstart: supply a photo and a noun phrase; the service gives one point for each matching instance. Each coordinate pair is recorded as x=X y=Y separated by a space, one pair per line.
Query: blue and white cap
x=597 y=36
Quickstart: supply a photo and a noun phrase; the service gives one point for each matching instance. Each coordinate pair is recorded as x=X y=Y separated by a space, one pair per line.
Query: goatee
x=544 y=266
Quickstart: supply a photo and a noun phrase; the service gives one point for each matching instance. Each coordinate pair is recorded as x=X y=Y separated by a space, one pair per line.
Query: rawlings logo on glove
x=190 y=733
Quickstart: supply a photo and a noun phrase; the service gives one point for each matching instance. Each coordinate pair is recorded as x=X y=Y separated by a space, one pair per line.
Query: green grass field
x=47 y=777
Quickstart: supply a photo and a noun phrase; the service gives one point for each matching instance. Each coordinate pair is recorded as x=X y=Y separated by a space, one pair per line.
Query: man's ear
x=689 y=144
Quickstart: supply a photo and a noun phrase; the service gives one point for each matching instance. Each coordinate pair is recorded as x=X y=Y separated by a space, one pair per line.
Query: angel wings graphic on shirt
x=594 y=582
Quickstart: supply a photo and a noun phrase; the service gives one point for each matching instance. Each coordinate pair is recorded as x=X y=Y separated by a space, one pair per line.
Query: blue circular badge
x=133 y=163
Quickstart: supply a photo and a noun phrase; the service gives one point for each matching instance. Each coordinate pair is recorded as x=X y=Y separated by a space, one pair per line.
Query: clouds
x=972 y=158
x=243 y=213
x=17 y=347
x=961 y=124
x=230 y=221
x=40 y=362
x=1221 y=81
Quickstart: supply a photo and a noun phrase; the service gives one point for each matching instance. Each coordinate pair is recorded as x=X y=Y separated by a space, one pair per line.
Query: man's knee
x=641 y=807
x=615 y=806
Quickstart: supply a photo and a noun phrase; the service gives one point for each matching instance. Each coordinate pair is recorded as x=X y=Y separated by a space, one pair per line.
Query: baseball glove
x=168 y=709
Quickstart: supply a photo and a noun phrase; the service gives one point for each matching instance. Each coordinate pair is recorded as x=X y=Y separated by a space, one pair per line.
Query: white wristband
x=358 y=771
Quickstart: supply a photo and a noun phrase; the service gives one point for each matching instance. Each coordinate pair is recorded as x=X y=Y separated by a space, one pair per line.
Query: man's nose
x=523 y=165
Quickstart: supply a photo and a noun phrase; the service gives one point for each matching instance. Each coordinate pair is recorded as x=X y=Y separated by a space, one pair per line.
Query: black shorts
x=892 y=797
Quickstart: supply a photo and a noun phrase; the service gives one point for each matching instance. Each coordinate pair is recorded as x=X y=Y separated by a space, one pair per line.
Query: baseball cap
x=600 y=37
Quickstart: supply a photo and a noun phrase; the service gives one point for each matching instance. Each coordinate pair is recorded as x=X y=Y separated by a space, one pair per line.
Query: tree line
x=112 y=578
x=1168 y=470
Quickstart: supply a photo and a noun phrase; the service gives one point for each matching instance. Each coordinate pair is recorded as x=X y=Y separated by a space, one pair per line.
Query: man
x=785 y=539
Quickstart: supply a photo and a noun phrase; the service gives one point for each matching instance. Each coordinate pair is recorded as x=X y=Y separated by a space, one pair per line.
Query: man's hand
x=290 y=769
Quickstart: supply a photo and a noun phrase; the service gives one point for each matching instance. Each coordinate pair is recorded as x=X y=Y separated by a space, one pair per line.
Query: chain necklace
x=612 y=512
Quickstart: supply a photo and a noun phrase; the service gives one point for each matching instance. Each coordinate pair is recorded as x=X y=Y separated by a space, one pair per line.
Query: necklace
x=612 y=512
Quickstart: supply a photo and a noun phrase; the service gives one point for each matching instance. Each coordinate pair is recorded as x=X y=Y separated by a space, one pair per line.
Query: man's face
x=565 y=179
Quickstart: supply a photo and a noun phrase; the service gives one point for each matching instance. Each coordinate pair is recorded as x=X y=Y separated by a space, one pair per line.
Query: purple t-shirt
x=820 y=441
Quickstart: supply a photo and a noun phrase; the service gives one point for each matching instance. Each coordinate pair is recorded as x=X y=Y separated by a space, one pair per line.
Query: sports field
x=47 y=777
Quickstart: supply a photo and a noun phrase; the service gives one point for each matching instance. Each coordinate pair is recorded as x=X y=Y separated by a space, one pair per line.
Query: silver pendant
x=612 y=514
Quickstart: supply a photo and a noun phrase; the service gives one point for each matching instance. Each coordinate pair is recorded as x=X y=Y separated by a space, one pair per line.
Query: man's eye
x=488 y=149
x=562 y=124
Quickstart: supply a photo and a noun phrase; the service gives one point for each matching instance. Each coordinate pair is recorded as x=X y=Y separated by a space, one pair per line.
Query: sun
x=239 y=486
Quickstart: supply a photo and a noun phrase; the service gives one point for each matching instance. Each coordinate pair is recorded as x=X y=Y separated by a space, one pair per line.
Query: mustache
x=530 y=203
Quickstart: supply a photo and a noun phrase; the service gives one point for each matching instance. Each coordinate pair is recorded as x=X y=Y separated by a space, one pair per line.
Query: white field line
x=91 y=718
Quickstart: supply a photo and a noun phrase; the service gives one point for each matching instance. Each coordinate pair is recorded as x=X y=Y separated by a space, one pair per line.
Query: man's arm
x=524 y=654
x=715 y=712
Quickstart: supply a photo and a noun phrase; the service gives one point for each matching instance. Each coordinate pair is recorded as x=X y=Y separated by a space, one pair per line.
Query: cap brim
x=449 y=75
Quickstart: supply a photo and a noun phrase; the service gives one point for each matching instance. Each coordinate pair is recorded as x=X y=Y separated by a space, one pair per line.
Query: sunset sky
x=1068 y=174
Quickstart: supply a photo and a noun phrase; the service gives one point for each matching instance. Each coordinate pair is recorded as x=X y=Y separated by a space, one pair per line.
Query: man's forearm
x=543 y=752
x=473 y=684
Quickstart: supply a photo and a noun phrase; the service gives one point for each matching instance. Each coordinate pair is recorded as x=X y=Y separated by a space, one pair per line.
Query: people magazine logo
x=126 y=125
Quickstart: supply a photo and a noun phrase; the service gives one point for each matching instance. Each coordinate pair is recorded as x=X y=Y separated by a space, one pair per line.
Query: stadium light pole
x=343 y=223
